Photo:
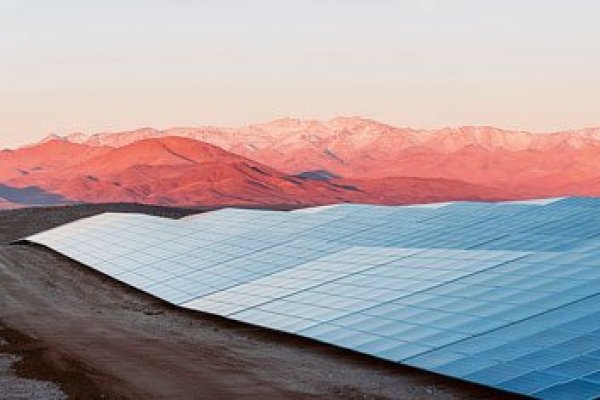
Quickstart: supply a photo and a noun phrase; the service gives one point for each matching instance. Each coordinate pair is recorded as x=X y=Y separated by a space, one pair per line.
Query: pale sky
x=97 y=65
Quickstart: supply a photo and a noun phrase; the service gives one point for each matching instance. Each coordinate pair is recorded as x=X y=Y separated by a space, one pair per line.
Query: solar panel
x=501 y=294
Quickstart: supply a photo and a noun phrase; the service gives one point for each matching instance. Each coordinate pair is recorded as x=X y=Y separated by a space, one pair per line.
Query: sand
x=68 y=330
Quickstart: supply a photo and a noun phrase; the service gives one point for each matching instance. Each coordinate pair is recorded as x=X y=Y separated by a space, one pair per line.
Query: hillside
x=519 y=163
x=185 y=172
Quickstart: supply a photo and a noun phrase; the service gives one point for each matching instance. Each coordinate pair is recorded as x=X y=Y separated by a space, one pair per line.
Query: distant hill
x=515 y=162
x=302 y=162
x=183 y=171
x=11 y=197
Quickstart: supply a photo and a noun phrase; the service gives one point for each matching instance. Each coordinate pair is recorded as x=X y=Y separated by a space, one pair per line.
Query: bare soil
x=66 y=330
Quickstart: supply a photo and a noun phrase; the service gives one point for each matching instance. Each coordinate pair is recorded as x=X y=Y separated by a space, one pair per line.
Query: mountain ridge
x=328 y=128
x=185 y=172
x=276 y=161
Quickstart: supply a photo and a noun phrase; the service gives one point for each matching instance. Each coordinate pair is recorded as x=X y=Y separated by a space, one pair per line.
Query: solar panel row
x=502 y=294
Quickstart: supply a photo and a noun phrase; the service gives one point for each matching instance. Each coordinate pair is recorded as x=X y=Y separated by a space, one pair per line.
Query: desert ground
x=69 y=332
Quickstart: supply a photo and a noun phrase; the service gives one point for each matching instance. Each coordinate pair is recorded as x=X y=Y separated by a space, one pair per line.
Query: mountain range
x=303 y=162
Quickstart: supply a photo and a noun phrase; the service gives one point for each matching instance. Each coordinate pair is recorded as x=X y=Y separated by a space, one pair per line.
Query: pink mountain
x=183 y=171
x=517 y=163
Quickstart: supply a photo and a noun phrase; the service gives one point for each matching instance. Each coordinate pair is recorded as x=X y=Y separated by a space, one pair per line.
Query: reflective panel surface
x=501 y=294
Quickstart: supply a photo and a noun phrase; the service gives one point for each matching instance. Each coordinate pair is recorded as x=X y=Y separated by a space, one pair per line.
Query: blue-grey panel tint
x=501 y=294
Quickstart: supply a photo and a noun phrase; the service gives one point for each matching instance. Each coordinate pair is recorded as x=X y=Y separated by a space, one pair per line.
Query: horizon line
x=315 y=120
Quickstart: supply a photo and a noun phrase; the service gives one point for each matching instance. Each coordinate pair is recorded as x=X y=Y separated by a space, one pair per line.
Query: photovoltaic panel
x=501 y=294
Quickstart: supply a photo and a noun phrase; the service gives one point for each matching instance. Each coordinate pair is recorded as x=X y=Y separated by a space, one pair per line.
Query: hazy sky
x=87 y=65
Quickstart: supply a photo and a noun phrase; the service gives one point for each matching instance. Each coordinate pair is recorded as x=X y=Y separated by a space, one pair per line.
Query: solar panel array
x=501 y=294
